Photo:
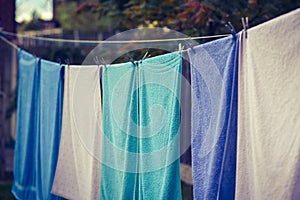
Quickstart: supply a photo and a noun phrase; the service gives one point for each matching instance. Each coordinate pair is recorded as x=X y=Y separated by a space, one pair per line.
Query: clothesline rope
x=9 y=43
x=109 y=41
x=16 y=47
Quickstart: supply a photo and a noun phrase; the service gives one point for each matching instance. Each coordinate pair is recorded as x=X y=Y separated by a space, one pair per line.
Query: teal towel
x=118 y=95
x=141 y=119
x=25 y=147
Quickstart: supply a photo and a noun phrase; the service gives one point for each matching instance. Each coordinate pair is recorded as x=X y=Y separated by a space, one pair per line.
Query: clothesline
x=9 y=43
x=16 y=47
x=5 y=33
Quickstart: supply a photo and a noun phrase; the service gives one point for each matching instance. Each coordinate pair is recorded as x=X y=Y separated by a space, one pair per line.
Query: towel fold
x=77 y=174
x=268 y=153
x=214 y=118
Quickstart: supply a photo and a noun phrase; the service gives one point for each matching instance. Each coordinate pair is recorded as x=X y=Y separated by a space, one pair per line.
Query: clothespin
x=180 y=48
x=131 y=60
x=103 y=61
x=96 y=60
x=245 y=25
x=59 y=61
x=135 y=64
x=98 y=63
x=67 y=62
x=145 y=56
x=190 y=46
x=231 y=28
x=38 y=59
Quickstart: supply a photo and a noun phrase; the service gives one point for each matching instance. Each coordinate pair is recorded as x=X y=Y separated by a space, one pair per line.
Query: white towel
x=268 y=152
x=77 y=173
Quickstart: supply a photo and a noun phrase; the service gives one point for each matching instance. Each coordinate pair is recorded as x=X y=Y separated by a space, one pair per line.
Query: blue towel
x=141 y=118
x=38 y=127
x=50 y=118
x=24 y=185
x=214 y=118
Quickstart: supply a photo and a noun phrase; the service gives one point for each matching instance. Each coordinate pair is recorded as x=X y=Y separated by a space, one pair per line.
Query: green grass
x=5 y=191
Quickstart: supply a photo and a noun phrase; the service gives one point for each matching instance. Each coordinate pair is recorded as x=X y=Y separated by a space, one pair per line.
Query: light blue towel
x=141 y=119
x=214 y=118
x=50 y=118
x=24 y=185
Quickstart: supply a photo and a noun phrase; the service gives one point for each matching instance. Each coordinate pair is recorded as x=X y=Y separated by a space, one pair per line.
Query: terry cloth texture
x=24 y=185
x=268 y=153
x=50 y=117
x=77 y=173
x=214 y=118
x=40 y=92
x=141 y=105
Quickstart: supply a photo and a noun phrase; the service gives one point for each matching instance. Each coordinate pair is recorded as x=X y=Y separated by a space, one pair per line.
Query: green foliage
x=151 y=13
x=89 y=16
x=192 y=17
x=258 y=11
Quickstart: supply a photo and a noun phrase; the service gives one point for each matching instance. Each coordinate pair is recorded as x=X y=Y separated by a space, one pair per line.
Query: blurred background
x=98 y=20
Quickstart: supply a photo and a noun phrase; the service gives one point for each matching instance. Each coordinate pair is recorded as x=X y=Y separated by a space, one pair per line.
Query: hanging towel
x=24 y=185
x=119 y=177
x=214 y=118
x=141 y=109
x=77 y=174
x=48 y=137
x=159 y=127
x=268 y=152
